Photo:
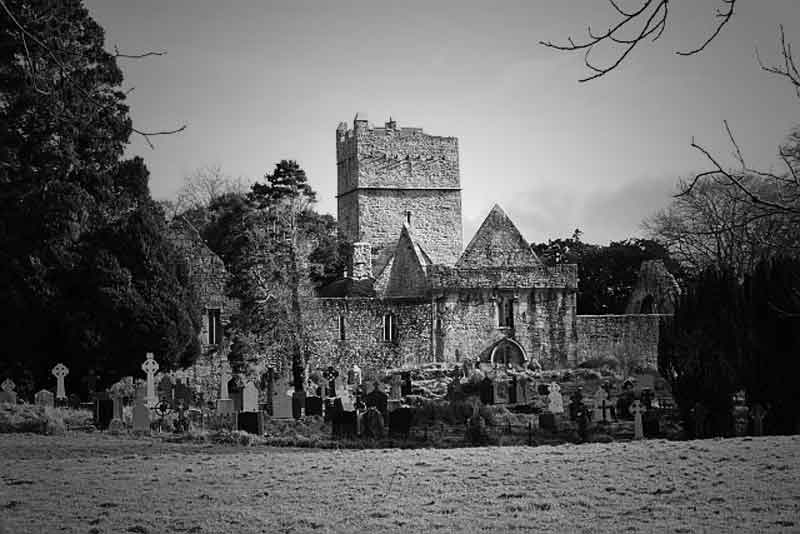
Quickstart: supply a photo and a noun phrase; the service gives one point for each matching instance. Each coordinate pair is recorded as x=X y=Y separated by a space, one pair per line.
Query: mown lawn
x=101 y=484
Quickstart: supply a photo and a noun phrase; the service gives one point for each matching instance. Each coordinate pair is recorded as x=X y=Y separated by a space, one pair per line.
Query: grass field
x=93 y=483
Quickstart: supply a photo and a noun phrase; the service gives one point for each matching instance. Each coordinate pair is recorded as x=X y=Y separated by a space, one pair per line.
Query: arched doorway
x=507 y=351
x=648 y=305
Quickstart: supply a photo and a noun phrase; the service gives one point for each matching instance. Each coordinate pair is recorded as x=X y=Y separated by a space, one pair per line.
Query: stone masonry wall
x=363 y=343
x=632 y=340
x=543 y=324
x=435 y=219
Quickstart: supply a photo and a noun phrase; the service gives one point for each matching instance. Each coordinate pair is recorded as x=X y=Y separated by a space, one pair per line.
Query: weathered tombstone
x=224 y=402
x=405 y=388
x=117 y=423
x=250 y=397
x=45 y=398
x=378 y=399
x=486 y=390
x=60 y=371
x=330 y=375
x=8 y=395
x=637 y=409
x=601 y=405
x=373 y=423
x=759 y=413
x=354 y=376
x=235 y=391
x=522 y=390
x=556 y=401
x=512 y=390
x=348 y=401
x=150 y=366
x=396 y=392
x=340 y=386
x=141 y=413
x=103 y=410
x=298 y=403
x=183 y=394
x=281 y=400
x=165 y=390
x=500 y=391
x=313 y=406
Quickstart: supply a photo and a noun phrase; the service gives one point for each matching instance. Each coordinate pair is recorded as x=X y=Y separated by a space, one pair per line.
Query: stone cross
x=357 y=375
x=556 y=404
x=601 y=405
x=8 y=385
x=637 y=410
x=60 y=371
x=150 y=366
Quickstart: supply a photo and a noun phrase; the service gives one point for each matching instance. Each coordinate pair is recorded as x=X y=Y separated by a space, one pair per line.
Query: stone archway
x=507 y=351
x=648 y=305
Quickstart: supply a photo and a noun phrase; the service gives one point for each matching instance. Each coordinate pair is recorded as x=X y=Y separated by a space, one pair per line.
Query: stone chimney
x=362 y=261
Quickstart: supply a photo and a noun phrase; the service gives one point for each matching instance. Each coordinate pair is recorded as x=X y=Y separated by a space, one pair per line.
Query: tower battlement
x=390 y=175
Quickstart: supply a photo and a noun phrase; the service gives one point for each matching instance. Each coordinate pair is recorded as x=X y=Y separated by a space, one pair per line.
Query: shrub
x=40 y=419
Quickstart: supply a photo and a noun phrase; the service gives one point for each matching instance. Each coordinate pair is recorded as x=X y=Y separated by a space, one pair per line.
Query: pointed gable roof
x=497 y=243
x=408 y=276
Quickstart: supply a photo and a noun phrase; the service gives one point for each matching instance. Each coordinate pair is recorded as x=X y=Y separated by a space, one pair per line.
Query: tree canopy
x=86 y=274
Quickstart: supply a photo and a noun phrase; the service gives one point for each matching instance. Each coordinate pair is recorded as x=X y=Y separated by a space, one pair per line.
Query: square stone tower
x=390 y=176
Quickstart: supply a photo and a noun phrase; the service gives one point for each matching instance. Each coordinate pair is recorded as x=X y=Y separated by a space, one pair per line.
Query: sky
x=259 y=81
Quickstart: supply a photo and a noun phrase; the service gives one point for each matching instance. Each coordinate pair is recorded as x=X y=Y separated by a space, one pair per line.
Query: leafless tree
x=713 y=224
x=204 y=185
x=634 y=26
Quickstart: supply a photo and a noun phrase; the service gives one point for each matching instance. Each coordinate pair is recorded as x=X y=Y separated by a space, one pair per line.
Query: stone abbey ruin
x=414 y=295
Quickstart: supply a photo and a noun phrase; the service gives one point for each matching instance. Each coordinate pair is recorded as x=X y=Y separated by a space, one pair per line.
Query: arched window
x=648 y=305
x=505 y=312
x=390 y=328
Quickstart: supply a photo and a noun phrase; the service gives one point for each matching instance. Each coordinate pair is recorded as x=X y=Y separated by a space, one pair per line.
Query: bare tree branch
x=789 y=69
x=118 y=54
x=726 y=16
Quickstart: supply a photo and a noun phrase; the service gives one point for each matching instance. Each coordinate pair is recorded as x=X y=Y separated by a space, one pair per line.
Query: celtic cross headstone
x=150 y=366
x=60 y=371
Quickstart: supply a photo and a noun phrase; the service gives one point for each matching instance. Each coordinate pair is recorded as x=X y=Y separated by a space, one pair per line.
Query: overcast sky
x=258 y=81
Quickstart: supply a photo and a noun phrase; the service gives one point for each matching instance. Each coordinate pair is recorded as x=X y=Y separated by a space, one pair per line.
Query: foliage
x=730 y=333
x=86 y=276
x=41 y=419
x=607 y=273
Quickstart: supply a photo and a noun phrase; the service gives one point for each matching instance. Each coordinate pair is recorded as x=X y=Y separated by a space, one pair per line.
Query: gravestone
x=396 y=392
x=500 y=391
x=60 y=371
x=486 y=391
x=521 y=386
x=758 y=413
x=405 y=387
x=141 y=413
x=547 y=421
x=165 y=391
x=251 y=422
x=340 y=386
x=103 y=410
x=354 y=376
x=298 y=403
x=601 y=406
x=235 y=392
x=555 y=400
x=281 y=400
x=637 y=409
x=348 y=401
x=313 y=406
x=224 y=402
x=330 y=375
x=150 y=366
x=183 y=394
x=373 y=423
x=117 y=423
x=378 y=399
x=250 y=397
x=8 y=395
x=45 y=398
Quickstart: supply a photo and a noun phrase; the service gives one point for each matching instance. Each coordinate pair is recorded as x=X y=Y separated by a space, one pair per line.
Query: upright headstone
x=348 y=401
x=486 y=389
x=758 y=413
x=45 y=398
x=8 y=395
x=355 y=376
x=637 y=409
x=500 y=391
x=556 y=401
x=150 y=366
x=117 y=423
x=250 y=397
x=281 y=400
x=330 y=375
x=396 y=392
x=60 y=371
x=183 y=394
x=522 y=390
x=165 y=390
x=224 y=402
x=602 y=408
x=340 y=385
x=141 y=413
x=406 y=383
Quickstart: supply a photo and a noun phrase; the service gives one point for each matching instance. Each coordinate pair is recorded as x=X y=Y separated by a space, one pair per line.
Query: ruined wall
x=543 y=324
x=363 y=343
x=656 y=290
x=631 y=340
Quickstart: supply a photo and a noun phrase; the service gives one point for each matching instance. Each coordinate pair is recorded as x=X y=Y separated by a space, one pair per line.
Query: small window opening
x=214 y=327
x=390 y=327
x=505 y=312
x=342 y=333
